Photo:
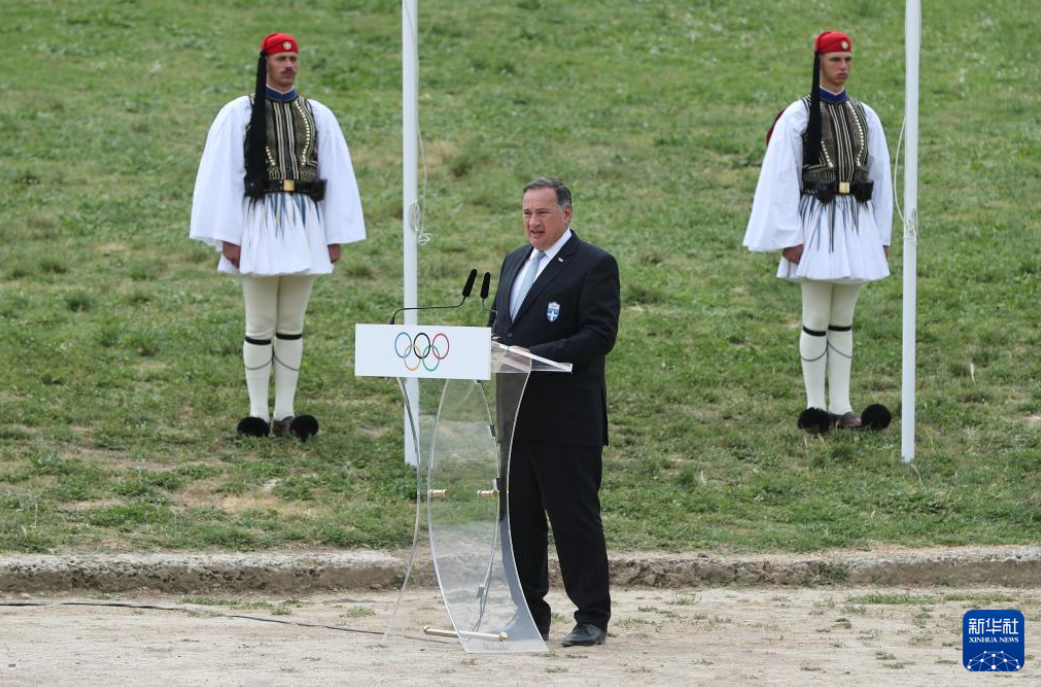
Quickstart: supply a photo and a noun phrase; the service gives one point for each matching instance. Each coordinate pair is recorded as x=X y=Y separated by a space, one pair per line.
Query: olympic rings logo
x=425 y=351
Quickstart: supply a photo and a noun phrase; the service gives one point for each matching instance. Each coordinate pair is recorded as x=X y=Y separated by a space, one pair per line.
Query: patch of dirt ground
x=734 y=636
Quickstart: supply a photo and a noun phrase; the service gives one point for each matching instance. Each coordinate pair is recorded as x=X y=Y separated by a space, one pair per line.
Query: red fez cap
x=832 y=41
x=279 y=42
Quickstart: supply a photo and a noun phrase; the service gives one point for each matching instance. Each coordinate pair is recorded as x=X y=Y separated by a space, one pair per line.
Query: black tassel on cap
x=256 y=136
x=812 y=148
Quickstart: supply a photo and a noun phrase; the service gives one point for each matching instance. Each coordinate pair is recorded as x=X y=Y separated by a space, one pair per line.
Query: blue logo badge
x=553 y=311
x=993 y=641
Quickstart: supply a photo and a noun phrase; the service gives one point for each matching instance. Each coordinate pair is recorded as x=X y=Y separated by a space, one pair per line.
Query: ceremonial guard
x=277 y=197
x=825 y=200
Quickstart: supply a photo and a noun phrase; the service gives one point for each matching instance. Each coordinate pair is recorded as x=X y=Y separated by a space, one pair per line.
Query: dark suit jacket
x=582 y=280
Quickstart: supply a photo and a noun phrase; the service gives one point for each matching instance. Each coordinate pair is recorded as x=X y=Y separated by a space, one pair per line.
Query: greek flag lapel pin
x=553 y=311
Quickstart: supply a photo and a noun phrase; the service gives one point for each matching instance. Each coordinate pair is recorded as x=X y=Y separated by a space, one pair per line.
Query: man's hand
x=334 y=252
x=232 y=252
x=793 y=254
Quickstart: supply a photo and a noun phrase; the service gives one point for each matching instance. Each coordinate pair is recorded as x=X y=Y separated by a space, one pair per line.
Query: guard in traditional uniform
x=825 y=200
x=277 y=197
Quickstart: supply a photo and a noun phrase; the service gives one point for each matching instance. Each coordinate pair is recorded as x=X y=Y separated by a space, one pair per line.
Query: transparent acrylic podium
x=463 y=433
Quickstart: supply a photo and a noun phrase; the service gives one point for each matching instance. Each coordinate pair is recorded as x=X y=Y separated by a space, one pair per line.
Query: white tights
x=275 y=308
x=826 y=343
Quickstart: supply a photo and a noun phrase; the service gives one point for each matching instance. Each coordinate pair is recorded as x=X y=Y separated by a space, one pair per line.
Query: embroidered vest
x=844 y=151
x=292 y=150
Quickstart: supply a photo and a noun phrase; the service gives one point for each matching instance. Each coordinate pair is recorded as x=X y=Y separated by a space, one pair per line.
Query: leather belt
x=315 y=189
x=826 y=190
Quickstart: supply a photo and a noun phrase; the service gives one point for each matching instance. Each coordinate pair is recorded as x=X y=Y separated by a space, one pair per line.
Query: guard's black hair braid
x=811 y=148
x=256 y=136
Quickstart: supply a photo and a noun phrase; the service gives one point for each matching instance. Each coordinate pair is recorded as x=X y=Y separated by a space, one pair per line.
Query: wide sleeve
x=217 y=207
x=775 y=222
x=599 y=306
x=878 y=172
x=341 y=209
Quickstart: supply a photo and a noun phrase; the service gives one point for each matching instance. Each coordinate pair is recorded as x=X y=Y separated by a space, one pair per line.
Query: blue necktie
x=529 y=279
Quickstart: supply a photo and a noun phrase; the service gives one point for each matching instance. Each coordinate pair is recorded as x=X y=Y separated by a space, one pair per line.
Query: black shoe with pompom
x=253 y=427
x=876 y=416
x=304 y=426
x=815 y=421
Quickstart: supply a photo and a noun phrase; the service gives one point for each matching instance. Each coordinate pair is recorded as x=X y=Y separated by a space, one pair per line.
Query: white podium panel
x=425 y=352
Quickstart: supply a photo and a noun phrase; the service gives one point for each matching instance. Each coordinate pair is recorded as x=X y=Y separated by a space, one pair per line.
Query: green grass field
x=120 y=369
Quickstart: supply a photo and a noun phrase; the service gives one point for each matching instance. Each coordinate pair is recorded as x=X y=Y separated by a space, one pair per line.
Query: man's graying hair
x=562 y=191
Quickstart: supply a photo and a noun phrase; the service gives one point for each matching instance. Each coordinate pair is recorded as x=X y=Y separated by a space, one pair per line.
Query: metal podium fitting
x=462 y=431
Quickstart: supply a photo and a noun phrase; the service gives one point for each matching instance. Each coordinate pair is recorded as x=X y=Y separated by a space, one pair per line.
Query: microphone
x=485 y=284
x=467 y=290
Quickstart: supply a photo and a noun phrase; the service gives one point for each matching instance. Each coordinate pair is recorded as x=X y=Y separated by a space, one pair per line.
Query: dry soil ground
x=733 y=636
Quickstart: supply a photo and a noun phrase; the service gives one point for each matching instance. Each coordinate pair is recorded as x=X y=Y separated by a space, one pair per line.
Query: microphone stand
x=467 y=290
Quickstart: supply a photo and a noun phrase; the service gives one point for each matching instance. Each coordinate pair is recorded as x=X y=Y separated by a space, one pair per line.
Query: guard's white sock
x=840 y=362
x=813 y=348
x=289 y=351
x=256 y=356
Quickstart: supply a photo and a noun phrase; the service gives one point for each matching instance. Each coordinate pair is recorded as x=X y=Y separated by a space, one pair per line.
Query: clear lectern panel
x=464 y=432
x=469 y=528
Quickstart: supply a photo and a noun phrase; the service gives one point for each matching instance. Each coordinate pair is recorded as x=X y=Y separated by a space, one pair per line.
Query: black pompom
x=814 y=421
x=876 y=416
x=253 y=427
x=304 y=426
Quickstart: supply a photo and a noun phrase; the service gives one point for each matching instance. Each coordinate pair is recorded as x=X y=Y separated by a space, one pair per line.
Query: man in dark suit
x=559 y=297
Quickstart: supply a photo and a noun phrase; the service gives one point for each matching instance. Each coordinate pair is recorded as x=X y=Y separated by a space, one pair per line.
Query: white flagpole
x=410 y=189
x=913 y=35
